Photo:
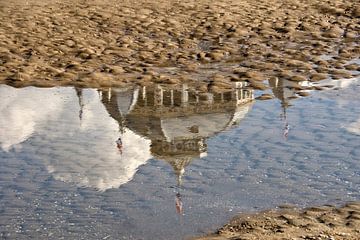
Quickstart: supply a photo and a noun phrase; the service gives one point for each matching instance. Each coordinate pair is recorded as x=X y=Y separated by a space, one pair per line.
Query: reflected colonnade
x=177 y=120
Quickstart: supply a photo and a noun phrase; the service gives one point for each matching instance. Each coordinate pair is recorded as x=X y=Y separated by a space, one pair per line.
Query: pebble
x=318 y=76
x=265 y=97
x=70 y=43
x=257 y=84
x=298 y=78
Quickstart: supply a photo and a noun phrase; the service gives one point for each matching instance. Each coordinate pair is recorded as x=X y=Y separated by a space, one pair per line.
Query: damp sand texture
x=114 y=43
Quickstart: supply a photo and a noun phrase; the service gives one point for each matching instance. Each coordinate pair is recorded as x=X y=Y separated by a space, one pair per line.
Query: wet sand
x=318 y=223
x=110 y=43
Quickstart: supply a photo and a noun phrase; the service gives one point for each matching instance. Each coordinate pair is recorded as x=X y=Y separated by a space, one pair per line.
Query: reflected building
x=285 y=91
x=177 y=120
x=80 y=143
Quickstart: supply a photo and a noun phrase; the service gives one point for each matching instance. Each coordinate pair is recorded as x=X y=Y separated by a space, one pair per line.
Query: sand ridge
x=111 y=43
x=316 y=223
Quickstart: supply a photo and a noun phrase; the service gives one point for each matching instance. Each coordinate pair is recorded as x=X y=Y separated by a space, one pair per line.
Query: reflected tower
x=285 y=91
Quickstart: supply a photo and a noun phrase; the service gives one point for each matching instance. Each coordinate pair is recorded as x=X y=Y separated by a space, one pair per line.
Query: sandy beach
x=110 y=43
x=211 y=44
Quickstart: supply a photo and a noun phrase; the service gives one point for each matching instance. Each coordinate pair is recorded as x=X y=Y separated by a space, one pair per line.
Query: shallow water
x=65 y=174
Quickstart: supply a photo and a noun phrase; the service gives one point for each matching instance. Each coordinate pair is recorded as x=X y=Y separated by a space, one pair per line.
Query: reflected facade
x=98 y=164
x=99 y=138
x=177 y=121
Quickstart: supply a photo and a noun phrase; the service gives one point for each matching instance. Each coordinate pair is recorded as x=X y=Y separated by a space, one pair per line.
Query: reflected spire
x=179 y=170
x=79 y=94
x=284 y=90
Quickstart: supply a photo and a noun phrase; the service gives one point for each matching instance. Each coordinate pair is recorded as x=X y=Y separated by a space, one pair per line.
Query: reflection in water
x=81 y=102
x=177 y=121
x=119 y=145
x=341 y=85
x=23 y=110
x=168 y=124
x=247 y=169
x=354 y=127
x=285 y=91
x=178 y=204
x=82 y=154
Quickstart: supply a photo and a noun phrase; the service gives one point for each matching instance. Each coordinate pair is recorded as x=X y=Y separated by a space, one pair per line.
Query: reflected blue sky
x=64 y=174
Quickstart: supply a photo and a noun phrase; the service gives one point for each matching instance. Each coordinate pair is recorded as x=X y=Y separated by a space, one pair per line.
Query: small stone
x=318 y=76
x=352 y=67
x=298 y=78
x=117 y=70
x=303 y=94
x=265 y=96
x=217 y=56
x=70 y=43
x=334 y=32
x=356 y=12
x=298 y=64
x=257 y=76
x=218 y=78
x=191 y=67
x=351 y=35
x=194 y=129
x=257 y=84
x=19 y=76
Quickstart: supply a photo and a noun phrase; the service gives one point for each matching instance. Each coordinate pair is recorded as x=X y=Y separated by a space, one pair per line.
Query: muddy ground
x=113 y=43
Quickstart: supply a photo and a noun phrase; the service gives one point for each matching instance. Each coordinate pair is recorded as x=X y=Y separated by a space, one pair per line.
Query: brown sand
x=104 y=43
x=317 y=223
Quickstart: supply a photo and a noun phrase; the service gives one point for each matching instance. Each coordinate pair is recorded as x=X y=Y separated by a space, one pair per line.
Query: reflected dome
x=178 y=120
x=99 y=138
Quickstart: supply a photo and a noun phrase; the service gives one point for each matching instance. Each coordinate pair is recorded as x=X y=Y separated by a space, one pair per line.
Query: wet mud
x=110 y=43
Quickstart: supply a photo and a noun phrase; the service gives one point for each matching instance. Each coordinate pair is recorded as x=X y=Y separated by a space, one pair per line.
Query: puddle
x=159 y=162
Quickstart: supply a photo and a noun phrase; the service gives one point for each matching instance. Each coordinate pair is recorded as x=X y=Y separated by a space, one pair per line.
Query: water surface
x=161 y=163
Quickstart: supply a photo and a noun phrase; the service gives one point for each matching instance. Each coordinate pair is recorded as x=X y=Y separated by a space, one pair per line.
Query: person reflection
x=178 y=200
x=119 y=145
x=287 y=126
x=284 y=90
x=286 y=130
x=178 y=204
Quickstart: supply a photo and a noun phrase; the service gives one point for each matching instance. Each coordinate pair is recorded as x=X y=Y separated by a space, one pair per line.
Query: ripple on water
x=64 y=172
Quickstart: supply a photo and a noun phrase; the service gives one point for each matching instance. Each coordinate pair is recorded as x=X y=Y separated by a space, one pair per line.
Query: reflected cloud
x=99 y=138
x=286 y=90
x=23 y=110
x=354 y=127
x=102 y=167
x=345 y=84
